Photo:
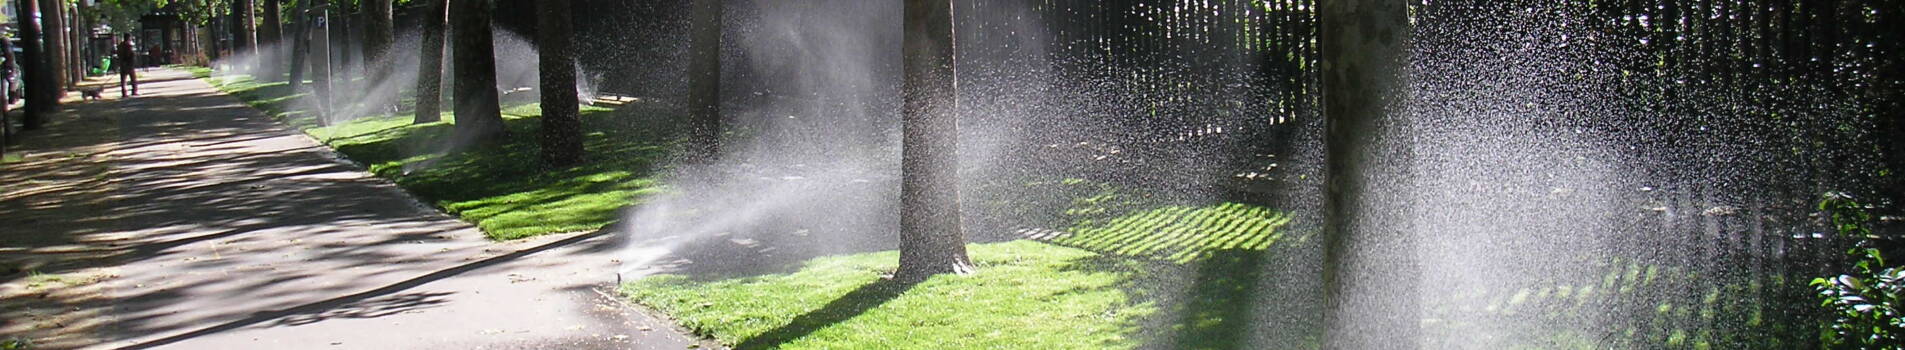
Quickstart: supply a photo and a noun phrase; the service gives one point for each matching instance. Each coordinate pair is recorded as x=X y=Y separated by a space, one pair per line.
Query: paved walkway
x=184 y=219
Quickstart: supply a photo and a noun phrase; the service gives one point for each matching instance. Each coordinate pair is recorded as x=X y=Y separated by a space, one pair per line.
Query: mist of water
x=390 y=90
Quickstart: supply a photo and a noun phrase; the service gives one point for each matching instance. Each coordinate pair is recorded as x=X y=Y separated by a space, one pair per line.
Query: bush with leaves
x=1866 y=303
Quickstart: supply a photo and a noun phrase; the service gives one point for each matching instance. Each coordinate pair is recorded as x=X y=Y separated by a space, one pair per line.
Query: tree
x=479 y=119
x=704 y=80
x=430 y=62
x=340 y=44
x=55 y=47
x=377 y=39
x=76 y=66
x=931 y=239
x=244 y=27
x=300 y=44
x=1362 y=44
x=270 y=37
x=40 y=91
x=561 y=124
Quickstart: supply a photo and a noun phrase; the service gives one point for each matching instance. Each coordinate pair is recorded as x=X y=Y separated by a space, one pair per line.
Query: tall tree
x=55 y=35
x=41 y=93
x=430 y=62
x=340 y=42
x=89 y=19
x=478 y=117
x=270 y=45
x=244 y=27
x=704 y=79
x=1362 y=44
x=561 y=122
x=931 y=238
x=377 y=38
x=76 y=67
x=300 y=32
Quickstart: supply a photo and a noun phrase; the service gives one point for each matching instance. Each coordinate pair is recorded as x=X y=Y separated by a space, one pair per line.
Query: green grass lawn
x=1029 y=295
x=1187 y=280
x=501 y=189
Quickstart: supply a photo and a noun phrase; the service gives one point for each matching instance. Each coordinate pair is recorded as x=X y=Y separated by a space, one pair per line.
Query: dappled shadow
x=1230 y=299
x=212 y=211
x=363 y=304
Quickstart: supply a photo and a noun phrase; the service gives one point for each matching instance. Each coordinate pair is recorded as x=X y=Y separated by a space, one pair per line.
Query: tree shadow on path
x=293 y=315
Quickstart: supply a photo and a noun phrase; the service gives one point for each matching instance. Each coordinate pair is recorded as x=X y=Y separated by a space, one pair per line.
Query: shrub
x=1865 y=303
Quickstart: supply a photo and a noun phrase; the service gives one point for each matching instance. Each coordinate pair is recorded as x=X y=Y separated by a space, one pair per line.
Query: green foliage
x=16 y=343
x=1867 y=303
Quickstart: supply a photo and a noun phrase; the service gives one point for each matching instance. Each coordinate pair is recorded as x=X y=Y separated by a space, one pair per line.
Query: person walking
x=127 y=69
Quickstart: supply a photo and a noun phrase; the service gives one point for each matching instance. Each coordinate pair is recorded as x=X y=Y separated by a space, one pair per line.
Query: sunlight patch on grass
x=1180 y=233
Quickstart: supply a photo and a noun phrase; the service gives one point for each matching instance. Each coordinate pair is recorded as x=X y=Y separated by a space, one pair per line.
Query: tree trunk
x=245 y=40
x=430 y=62
x=377 y=39
x=320 y=39
x=561 y=122
x=478 y=118
x=90 y=54
x=40 y=89
x=340 y=36
x=270 y=42
x=704 y=80
x=359 y=55
x=244 y=33
x=300 y=34
x=55 y=36
x=931 y=238
x=210 y=33
x=78 y=48
x=76 y=67
x=1368 y=268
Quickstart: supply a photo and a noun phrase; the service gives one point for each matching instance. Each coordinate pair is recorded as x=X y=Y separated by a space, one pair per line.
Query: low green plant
x=16 y=343
x=1865 y=303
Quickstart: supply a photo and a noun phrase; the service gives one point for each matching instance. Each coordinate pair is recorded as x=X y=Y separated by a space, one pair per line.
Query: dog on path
x=91 y=93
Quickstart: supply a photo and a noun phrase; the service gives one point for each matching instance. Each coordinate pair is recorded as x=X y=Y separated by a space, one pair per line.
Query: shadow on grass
x=852 y=304
x=1222 y=275
x=1218 y=303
